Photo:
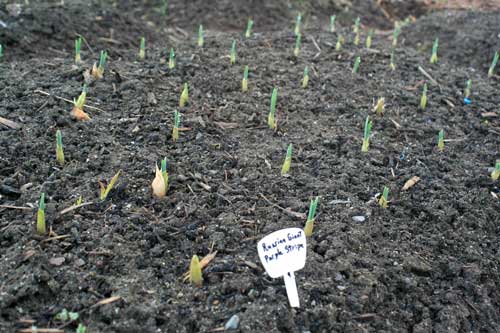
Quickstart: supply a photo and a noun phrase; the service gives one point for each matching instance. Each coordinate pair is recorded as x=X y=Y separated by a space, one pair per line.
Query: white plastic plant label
x=282 y=253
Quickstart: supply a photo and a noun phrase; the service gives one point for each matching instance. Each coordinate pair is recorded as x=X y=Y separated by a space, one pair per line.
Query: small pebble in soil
x=358 y=218
x=232 y=323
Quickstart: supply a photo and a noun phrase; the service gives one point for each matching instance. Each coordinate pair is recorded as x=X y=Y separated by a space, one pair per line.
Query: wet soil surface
x=427 y=263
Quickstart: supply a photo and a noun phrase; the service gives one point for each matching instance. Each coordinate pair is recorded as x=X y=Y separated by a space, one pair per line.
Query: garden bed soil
x=429 y=262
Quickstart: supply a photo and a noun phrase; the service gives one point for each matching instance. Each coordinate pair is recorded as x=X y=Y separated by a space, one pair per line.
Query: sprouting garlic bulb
x=158 y=185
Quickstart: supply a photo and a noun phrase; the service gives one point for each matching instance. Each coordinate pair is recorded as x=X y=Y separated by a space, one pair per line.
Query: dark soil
x=460 y=42
x=427 y=263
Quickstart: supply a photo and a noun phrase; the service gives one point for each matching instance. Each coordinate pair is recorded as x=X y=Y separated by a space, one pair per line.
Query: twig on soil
x=450 y=103
x=490 y=114
x=336 y=202
x=382 y=9
x=69 y=209
x=398 y=126
x=454 y=140
x=410 y=182
x=42 y=106
x=38 y=91
x=206 y=187
x=315 y=72
x=107 y=301
x=64 y=53
x=289 y=212
x=316 y=45
x=471 y=305
x=427 y=75
x=182 y=31
x=55 y=238
x=40 y=330
x=100 y=253
x=9 y=123
x=248 y=239
x=365 y=316
x=224 y=198
x=15 y=207
x=223 y=125
x=110 y=40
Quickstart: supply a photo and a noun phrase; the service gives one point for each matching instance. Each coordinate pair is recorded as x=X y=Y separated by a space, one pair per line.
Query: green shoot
x=340 y=41
x=142 y=49
x=495 y=174
x=175 y=130
x=423 y=99
x=164 y=172
x=491 y=71
x=78 y=46
x=441 y=140
x=355 y=68
x=184 y=96
x=232 y=56
x=380 y=106
x=164 y=8
x=80 y=102
x=434 y=57
x=79 y=200
x=296 y=50
x=248 y=32
x=59 y=148
x=81 y=328
x=244 y=82
x=40 y=218
x=98 y=71
x=468 y=88
x=395 y=35
x=271 y=120
x=66 y=315
x=392 y=65
x=102 y=62
x=332 y=23
x=105 y=190
x=171 y=59
x=356 y=31
x=308 y=229
x=201 y=38
x=367 y=133
x=298 y=21
x=285 y=169
x=77 y=111
x=195 y=275
x=383 y=199
x=305 y=78
x=369 y=39
x=81 y=99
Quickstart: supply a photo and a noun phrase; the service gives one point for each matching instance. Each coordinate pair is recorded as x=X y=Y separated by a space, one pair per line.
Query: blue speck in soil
x=467 y=101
